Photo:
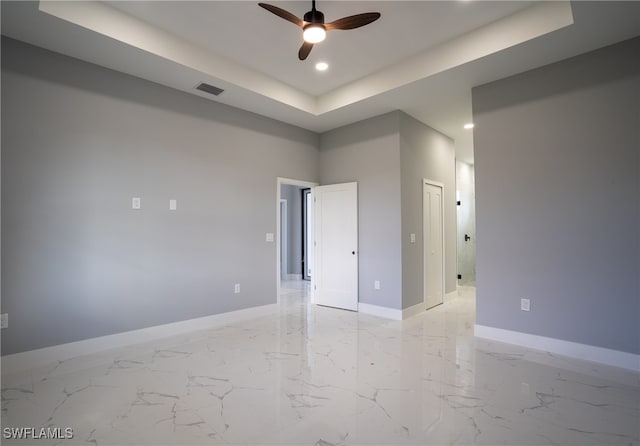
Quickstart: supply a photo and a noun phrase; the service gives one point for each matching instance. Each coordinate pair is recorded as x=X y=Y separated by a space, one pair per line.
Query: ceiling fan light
x=314 y=34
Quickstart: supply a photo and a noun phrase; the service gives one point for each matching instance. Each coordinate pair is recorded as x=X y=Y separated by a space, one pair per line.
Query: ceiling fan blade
x=305 y=49
x=353 y=21
x=282 y=13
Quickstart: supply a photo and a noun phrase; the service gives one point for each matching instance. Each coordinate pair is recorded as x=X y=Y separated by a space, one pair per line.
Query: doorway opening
x=284 y=238
x=294 y=237
x=466 y=221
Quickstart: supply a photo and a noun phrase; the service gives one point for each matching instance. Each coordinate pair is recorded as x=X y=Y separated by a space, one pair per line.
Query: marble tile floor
x=310 y=375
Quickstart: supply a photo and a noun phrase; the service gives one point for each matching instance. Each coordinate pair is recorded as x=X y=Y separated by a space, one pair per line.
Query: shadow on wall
x=372 y=128
x=53 y=67
x=512 y=93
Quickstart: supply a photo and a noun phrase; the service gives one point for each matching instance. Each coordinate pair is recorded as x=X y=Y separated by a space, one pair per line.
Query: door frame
x=284 y=256
x=424 y=254
x=279 y=182
x=307 y=194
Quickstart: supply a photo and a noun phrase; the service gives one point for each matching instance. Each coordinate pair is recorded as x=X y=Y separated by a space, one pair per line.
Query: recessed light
x=469 y=126
x=322 y=66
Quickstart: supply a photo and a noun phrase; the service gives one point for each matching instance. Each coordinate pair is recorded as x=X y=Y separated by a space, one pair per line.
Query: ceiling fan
x=314 y=28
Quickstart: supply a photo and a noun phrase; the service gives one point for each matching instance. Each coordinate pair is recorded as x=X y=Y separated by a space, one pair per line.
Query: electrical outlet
x=4 y=320
x=525 y=305
x=236 y=288
x=413 y=238
x=269 y=237
x=135 y=203
x=376 y=284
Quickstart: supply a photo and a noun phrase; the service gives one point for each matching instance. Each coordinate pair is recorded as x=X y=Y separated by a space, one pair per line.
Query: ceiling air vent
x=209 y=89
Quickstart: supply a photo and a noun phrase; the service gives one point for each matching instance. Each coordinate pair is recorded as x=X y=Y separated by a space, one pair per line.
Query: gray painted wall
x=557 y=187
x=78 y=142
x=294 y=227
x=388 y=156
x=425 y=154
x=368 y=152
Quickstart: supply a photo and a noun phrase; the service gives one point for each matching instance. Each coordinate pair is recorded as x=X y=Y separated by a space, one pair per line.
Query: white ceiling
x=257 y=39
x=422 y=57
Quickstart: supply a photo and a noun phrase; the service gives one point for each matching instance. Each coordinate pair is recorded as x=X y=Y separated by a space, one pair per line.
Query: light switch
x=4 y=320
x=269 y=237
x=173 y=205
x=135 y=203
x=413 y=238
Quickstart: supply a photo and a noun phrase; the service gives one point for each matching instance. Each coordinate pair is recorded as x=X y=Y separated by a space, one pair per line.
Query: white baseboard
x=375 y=310
x=450 y=296
x=38 y=358
x=572 y=349
x=392 y=313
x=419 y=308
x=415 y=309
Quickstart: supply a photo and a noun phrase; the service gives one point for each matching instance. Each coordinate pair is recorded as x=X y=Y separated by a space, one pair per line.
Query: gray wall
x=293 y=196
x=388 y=156
x=78 y=142
x=557 y=187
x=425 y=154
x=368 y=152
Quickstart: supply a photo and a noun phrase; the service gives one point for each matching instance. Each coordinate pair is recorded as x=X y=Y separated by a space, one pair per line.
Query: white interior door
x=335 y=275
x=433 y=236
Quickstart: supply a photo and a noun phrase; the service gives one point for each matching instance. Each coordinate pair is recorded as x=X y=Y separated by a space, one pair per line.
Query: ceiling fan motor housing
x=314 y=16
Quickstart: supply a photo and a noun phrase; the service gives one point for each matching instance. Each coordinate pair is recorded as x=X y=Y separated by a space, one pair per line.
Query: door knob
x=353 y=252
x=467 y=238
